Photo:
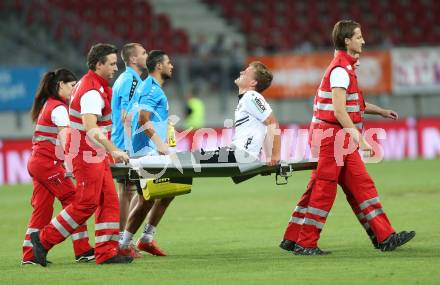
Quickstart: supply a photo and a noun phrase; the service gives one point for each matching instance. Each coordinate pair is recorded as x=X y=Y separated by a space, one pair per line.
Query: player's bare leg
x=146 y=242
x=126 y=193
x=138 y=214
x=134 y=221
x=133 y=204
x=158 y=210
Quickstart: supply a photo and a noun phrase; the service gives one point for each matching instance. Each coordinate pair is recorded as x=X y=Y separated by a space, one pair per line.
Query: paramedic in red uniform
x=88 y=141
x=49 y=178
x=337 y=119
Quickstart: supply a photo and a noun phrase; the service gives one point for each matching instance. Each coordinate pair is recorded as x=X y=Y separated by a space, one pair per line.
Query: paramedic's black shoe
x=374 y=242
x=31 y=262
x=396 y=240
x=86 y=256
x=287 y=245
x=404 y=237
x=299 y=250
x=373 y=239
x=39 y=252
x=118 y=259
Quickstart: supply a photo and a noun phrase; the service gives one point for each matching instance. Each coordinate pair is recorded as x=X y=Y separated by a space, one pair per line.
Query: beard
x=166 y=76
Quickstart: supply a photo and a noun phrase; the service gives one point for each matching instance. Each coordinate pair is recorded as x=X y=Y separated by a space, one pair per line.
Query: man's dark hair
x=343 y=30
x=98 y=53
x=154 y=57
x=127 y=51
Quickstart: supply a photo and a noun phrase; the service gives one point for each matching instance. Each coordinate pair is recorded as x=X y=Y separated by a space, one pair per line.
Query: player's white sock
x=148 y=234
x=126 y=239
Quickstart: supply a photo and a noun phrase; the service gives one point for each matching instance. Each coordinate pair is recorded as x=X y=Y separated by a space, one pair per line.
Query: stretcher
x=194 y=165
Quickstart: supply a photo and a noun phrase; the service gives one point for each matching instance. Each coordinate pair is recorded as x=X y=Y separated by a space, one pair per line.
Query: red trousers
x=310 y=214
x=95 y=193
x=49 y=182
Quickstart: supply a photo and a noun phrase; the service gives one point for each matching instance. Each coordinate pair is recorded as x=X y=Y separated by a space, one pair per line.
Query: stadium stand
x=128 y=20
x=119 y=21
x=280 y=25
x=31 y=44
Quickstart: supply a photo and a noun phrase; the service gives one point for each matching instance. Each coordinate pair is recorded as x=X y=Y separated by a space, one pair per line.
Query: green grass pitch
x=222 y=233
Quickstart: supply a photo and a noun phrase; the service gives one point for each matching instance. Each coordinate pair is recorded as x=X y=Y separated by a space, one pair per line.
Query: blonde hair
x=262 y=75
x=127 y=51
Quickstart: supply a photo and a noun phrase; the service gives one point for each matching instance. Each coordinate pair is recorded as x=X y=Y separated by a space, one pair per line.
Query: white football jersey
x=250 y=131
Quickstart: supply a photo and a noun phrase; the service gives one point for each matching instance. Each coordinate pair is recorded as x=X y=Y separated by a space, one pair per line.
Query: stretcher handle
x=133 y=175
x=283 y=173
x=281 y=180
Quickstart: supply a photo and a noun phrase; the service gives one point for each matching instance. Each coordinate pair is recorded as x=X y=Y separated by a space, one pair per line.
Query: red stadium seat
x=276 y=24
x=396 y=18
x=125 y=20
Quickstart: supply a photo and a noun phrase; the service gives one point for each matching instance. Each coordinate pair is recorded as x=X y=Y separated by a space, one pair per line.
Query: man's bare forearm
x=272 y=142
x=150 y=131
x=123 y=115
x=276 y=149
x=92 y=129
x=373 y=109
x=339 y=104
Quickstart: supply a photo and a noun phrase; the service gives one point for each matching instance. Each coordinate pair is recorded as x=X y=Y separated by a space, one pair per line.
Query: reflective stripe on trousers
x=106 y=226
x=106 y=238
x=80 y=235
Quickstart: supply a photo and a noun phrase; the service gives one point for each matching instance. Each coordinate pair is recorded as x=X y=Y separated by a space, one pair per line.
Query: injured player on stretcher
x=256 y=127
